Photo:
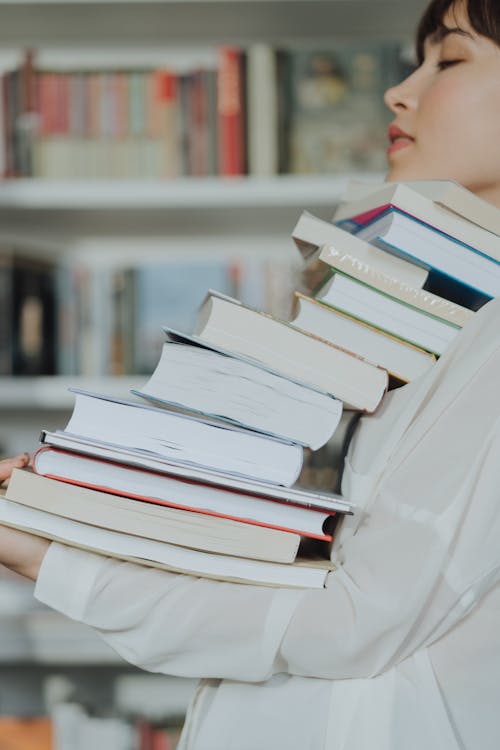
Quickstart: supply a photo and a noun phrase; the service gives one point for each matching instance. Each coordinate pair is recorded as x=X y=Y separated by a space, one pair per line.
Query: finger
x=8 y=464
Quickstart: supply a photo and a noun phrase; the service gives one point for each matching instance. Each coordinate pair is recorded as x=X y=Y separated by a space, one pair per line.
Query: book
x=170 y=290
x=407 y=199
x=402 y=360
x=27 y=315
x=400 y=233
x=183 y=494
x=386 y=313
x=184 y=438
x=332 y=258
x=301 y=574
x=311 y=234
x=220 y=386
x=336 y=120
x=148 y=519
x=27 y=732
x=454 y=197
x=300 y=496
x=448 y=194
x=231 y=111
x=230 y=325
x=262 y=110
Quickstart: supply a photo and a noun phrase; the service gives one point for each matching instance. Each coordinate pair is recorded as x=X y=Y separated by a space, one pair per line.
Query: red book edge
x=169 y=504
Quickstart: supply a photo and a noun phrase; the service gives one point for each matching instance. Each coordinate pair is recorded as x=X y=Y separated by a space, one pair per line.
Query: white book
x=410 y=238
x=299 y=496
x=78 y=488
x=448 y=194
x=221 y=386
x=184 y=438
x=226 y=323
x=402 y=360
x=176 y=498
x=404 y=197
x=262 y=110
x=311 y=233
x=390 y=315
x=160 y=554
x=336 y=257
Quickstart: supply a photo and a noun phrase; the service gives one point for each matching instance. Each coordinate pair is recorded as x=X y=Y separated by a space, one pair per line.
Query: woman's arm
x=20 y=551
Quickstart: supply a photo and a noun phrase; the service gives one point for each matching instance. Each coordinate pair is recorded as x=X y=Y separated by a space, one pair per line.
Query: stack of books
x=196 y=474
x=398 y=272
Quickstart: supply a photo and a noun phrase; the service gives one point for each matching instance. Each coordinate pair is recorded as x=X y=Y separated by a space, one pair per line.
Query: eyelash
x=444 y=64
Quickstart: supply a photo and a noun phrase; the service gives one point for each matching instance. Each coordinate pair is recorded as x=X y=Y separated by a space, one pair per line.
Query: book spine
x=262 y=111
x=231 y=111
x=169 y=121
x=6 y=317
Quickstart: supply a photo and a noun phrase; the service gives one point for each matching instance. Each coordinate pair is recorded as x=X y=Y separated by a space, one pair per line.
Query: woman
x=402 y=650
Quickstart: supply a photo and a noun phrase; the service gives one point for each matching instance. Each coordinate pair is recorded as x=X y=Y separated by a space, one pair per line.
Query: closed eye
x=444 y=64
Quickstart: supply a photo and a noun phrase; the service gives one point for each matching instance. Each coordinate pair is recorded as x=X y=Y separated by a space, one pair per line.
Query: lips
x=398 y=139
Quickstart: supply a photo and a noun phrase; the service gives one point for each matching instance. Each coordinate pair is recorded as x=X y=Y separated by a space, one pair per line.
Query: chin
x=409 y=172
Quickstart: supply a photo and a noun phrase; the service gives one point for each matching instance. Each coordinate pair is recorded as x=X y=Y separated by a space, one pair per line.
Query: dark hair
x=484 y=17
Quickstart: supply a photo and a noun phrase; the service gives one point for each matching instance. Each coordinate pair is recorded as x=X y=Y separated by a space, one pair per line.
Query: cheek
x=446 y=115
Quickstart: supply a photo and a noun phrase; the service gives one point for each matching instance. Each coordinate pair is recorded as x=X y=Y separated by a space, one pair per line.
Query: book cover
x=336 y=117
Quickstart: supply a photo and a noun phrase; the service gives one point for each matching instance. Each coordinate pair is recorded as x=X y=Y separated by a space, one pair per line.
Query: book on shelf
x=149 y=552
x=183 y=493
x=336 y=120
x=298 y=496
x=27 y=732
x=149 y=518
x=332 y=258
x=262 y=126
x=173 y=290
x=109 y=315
x=468 y=275
x=228 y=324
x=227 y=110
x=409 y=200
x=198 y=378
x=184 y=438
x=311 y=234
x=386 y=313
x=231 y=111
x=27 y=314
x=402 y=360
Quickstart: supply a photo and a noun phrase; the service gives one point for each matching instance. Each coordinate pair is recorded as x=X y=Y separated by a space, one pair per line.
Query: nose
x=404 y=96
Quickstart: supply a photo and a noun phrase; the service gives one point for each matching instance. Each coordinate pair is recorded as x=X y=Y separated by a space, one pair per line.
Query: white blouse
x=402 y=650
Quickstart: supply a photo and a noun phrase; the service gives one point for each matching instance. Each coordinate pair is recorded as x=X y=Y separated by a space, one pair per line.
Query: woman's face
x=447 y=123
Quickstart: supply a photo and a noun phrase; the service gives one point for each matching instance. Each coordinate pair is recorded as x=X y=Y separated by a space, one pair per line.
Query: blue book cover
x=440 y=282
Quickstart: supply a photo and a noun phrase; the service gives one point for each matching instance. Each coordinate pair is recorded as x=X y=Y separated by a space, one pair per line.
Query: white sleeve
x=166 y=622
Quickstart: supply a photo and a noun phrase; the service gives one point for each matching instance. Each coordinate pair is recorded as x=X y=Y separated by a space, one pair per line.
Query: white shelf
x=51 y=392
x=158 y=2
x=209 y=192
x=149 y=22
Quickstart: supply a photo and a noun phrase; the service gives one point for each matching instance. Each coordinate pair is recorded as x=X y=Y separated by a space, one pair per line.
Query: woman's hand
x=20 y=551
x=8 y=464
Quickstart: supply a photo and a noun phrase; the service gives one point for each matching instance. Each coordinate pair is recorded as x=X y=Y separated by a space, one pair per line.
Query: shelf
x=188 y=193
x=145 y=22
x=51 y=392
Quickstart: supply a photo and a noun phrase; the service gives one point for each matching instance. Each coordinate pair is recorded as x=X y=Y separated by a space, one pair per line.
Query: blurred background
x=150 y=150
